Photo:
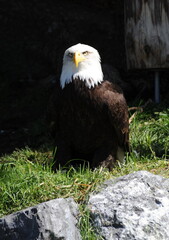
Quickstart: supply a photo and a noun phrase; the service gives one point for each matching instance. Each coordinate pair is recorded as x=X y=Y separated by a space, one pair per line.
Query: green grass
x=26 y=178
x=150 y=134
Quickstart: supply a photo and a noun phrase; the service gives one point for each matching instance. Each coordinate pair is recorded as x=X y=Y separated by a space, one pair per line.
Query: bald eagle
x=88 y=115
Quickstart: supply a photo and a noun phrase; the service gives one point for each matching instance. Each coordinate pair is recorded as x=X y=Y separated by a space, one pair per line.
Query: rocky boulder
x=52 y=220
x=132 y=207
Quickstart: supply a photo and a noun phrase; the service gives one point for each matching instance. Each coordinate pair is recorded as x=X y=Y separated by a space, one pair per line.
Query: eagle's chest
x=81 y=112
x=84 y=121
x=77 y=113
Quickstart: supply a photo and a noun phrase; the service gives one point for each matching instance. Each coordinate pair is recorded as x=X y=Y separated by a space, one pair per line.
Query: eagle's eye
x=85 y=53
x=70 y=54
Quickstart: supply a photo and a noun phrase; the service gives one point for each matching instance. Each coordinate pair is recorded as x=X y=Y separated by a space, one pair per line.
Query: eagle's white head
x=83 y=62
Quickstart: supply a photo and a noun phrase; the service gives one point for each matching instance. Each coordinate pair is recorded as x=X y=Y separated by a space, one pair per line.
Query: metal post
x=157 y=87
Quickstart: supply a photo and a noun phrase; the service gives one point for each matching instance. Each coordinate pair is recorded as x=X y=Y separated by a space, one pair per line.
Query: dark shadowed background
x=34 y=36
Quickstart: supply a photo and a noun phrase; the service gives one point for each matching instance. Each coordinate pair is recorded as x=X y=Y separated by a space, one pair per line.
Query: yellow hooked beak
x=78 y=57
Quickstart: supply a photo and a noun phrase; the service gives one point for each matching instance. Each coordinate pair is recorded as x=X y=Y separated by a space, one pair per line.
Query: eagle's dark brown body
x=89 y=123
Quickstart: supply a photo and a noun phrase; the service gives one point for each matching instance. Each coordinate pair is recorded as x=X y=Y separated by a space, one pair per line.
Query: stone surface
x=132 y=207
x=52 y=220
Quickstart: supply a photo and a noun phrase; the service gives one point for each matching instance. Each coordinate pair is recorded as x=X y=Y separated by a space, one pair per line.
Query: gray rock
x=52 y=220
x=132 y=207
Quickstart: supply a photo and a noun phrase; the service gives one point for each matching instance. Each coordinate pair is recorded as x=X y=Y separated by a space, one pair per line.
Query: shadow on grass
x=23 y=107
